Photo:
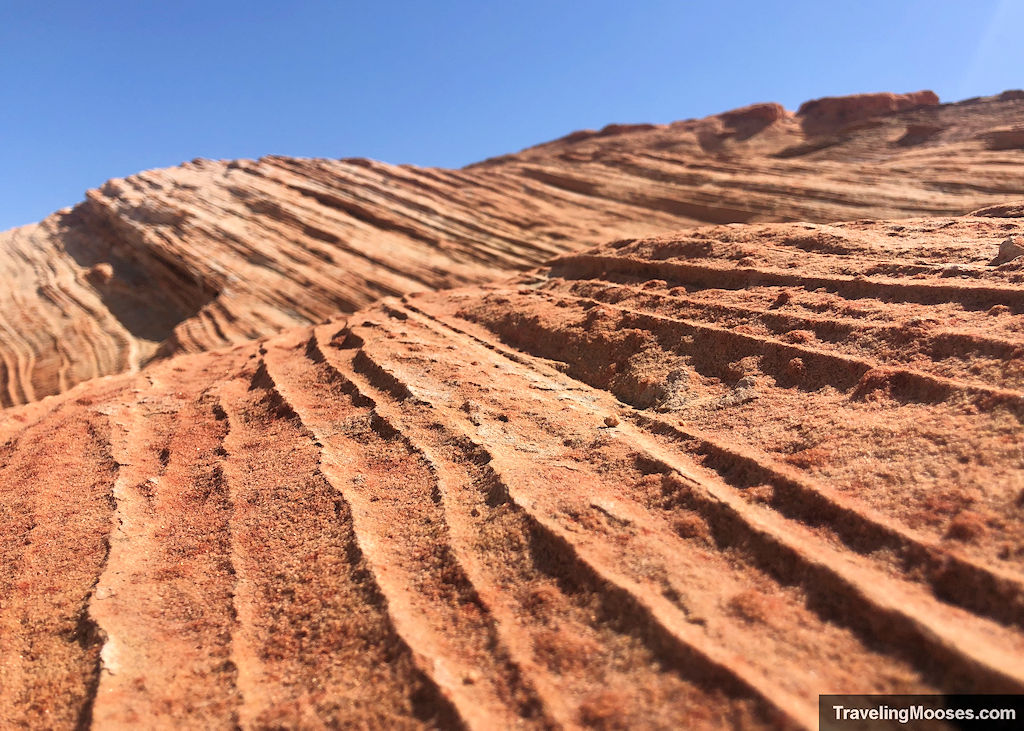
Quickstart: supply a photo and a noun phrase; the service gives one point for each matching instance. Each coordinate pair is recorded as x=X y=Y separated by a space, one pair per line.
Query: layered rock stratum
x=214 y=253
x=689 y=481
x=683 y=480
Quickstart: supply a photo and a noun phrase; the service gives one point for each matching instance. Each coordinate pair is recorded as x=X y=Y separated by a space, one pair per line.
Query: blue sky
x=94 y=90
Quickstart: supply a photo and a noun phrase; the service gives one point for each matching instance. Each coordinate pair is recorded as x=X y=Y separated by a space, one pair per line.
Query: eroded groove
x=953 y=577
x=168 y=585
x=559 y=563
x=328 y=652
x=720 y=389
x=593 y=266
x=960 y=666
x=635 y=590
x=49 y=645
x=405 y=538
x=840 y=334
x=821 y=368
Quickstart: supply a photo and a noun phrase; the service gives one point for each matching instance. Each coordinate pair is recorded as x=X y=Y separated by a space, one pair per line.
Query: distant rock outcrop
x=1005 y=138
x=1002 y=210
x=835 y=112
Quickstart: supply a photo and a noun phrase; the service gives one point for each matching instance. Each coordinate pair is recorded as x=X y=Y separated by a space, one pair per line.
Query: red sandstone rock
x=213 y=253
x=764 y=112
x=1005 y=138
x=609 y=492
x=1003 y=210
x=684 y=480
x=831 y=113
x=1010 y=249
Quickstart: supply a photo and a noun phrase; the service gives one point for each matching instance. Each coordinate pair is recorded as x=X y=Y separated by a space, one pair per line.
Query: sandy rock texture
x=210 y=253
x=683 y=481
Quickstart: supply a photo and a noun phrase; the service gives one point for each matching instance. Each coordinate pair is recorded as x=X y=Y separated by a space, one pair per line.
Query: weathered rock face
x=1014 y=209
x=1005 y=138
x=213 y=253
x=689 y=481
x=840 y=111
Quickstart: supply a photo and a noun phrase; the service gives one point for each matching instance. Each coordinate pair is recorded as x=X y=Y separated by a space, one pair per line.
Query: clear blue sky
x=94 y=90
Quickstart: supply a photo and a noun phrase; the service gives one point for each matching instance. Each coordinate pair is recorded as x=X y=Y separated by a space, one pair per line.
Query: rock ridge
x=212 y=253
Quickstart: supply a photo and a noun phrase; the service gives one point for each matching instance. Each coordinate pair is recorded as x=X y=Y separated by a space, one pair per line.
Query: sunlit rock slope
x=213 y=253
x=689 y=481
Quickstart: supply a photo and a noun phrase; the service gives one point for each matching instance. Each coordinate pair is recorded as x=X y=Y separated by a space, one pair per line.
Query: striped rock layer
x=210 y=254
x=688 y=481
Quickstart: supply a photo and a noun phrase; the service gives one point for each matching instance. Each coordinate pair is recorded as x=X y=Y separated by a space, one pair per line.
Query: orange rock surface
x=213 y=253
x=689 y=481
x=685 y=479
